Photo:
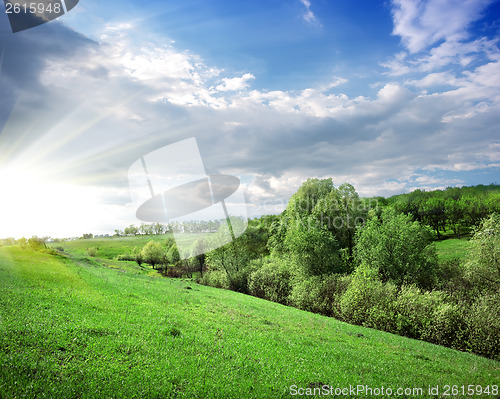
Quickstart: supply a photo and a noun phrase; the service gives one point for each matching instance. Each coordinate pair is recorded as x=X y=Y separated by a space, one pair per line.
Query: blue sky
x=387 y=95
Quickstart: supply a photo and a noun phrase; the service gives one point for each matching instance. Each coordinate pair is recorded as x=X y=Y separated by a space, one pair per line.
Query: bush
x=415 y=311
x=447 y=326
x=321 y=294
x=215 y=278
x=369 y=302
x=174 y=271
x=483 y=323
x=92 y=252
x=483 y=260
x=273 y=281
x=126 y=257
x=451 y=279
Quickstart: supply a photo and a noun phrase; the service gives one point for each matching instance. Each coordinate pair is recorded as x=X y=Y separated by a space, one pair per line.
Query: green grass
x=109 y=247
x=452 y=248
x=76 y=328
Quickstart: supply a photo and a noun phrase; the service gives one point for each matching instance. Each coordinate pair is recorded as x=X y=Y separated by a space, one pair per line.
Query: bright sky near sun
x=389 y=96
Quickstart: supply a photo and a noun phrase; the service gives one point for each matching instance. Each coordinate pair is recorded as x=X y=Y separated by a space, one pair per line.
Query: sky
x=389 y=96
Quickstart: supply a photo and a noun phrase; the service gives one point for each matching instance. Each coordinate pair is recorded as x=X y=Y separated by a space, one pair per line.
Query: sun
x=31 y=203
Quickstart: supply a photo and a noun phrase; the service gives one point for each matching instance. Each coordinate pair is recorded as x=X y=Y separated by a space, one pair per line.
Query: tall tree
x=399 y=248
x=153 y=253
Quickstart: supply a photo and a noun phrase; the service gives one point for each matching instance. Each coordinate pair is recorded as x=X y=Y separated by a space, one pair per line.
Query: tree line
x=455 y=208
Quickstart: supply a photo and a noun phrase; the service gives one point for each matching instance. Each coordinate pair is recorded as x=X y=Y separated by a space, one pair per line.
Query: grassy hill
x=83 y=327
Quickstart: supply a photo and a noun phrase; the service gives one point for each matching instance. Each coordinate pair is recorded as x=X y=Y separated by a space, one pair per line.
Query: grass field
x=452 y=248
x=78 y=327
x=110 y=247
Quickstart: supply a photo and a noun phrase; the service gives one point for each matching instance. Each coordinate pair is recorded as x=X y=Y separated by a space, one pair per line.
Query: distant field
x=109 y=247
x=91 y=328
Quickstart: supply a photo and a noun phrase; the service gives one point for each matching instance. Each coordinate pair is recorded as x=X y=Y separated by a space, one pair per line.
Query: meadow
x=74 y=326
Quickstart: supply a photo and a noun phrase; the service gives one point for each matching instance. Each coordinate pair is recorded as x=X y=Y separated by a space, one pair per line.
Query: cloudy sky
x=387 y=95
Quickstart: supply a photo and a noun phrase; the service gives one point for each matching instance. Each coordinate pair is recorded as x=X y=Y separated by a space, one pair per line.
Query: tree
x=158 y=228
x=341 y=212
x=153 y=253
x=314 y=248
x=399 y=248
x=337 y=210
x=432 y=211
x=131 y=230
x=36 y=242
x=137 y=255
x=22 y=242
x=146 y=229
x=311 y=192
x=173 y=255
x=454 y=214
x=232 y=258
x=483 y=260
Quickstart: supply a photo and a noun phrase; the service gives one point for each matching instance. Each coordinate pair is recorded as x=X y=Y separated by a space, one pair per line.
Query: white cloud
x=436 y=35
x=309 y=16
x=422 y=23
x=235 y=84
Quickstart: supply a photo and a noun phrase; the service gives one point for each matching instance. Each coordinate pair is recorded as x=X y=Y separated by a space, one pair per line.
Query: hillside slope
x=74 y=328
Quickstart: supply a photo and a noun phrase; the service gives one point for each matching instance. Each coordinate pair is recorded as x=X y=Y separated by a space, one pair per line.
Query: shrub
x=215 y=278
x=126 y=257
x=367 y=301
x=483 y=260
x=451 y=279
x=415 y=310
x=273 y=281
x=92 y=252
x=483 y=323
x=320 y=294
x=446 y=326
x=173 y=271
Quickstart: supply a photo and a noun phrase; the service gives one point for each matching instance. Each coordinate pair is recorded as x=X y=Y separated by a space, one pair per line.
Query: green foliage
x=320 y=294
x=318 y=204
x=313 y=248
x=37 y=243
x=367 y=301
x=414 y=310
x=92 y=251
x=447 y=325
x=309 y=194
x=450 y=278
x=456 y=208
x=483 y=261
x=341 y=212
x=400 y=249
x=215 y=278
x=173 y=255
x=232 y=258
x=272 y=281
x=153 y=253
x=483 y=324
